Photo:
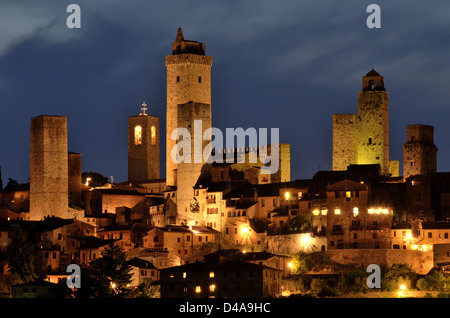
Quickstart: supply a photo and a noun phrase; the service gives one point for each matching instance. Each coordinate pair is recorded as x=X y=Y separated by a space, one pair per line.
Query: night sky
x=287 y=64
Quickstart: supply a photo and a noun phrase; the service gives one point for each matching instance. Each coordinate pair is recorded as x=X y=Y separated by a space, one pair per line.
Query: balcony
x=373 y=227
x=355 y=228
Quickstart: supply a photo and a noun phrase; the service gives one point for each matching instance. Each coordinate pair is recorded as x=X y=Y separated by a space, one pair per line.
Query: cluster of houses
x=246 y=233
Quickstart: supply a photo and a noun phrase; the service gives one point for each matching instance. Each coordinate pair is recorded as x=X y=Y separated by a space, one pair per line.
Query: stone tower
x=188 y=80
x=363 y=138
x=143 y=147
x=190 y=116
x=419 y=151
x=48 y=167
x=372 y=137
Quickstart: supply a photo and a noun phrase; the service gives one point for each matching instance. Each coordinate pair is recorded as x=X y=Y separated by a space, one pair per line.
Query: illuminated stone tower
x=419 y=151
x=190 y=116
x=188 y=80
x=143 y=147
x=48 y=167
x=372 y=137
x=363 y=138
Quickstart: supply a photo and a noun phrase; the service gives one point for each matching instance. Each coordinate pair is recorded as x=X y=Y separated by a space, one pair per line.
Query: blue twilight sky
x=287 y=64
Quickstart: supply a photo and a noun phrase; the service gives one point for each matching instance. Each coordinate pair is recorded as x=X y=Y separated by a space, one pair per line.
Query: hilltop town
x=227 y=228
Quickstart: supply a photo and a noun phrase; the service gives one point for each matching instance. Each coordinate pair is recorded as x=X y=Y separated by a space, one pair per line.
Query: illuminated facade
x=363 y=138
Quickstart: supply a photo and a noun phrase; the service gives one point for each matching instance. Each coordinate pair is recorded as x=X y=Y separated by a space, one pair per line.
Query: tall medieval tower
x=372 y=138
x=419 y=151
x=363 y=138
x=143 y=147
x=48 y=167
x=188 y=80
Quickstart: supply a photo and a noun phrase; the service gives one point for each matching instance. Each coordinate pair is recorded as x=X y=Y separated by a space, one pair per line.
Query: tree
x=301 y=263
x=11 y=184
x=96 y=179
x=396 y=275
x=112 y=268
x=433 y=281
x=20 y=256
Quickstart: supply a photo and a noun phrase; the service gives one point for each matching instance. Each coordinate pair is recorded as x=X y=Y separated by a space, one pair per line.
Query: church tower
x=419 y=151
x=188 y=80
x=143 y=147
x=372 y=138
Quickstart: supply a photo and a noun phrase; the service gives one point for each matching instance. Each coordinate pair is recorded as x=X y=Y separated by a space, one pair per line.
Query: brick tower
x=48 y=167
x=188 y=80
x=419 y=151
x=143 y=147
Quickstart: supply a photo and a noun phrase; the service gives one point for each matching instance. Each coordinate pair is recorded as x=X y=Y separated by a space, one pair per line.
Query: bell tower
x=188 y=80
x=143 y=146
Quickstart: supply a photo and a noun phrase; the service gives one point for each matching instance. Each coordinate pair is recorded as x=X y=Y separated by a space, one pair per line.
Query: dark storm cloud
x=287 y=64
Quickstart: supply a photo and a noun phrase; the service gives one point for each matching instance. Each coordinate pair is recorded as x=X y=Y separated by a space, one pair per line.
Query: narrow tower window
x=370 y=141
x=153 y=135
x=178 y=79
x=199 y=79
x=138 y=135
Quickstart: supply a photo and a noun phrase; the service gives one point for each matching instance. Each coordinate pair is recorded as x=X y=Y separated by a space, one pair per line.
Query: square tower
x=188 y=80
x=48 y=167
x=419 y=151
x=363 y=138
x=143 y=147
x=372 y=137
x=344 y=141
x=187 y=173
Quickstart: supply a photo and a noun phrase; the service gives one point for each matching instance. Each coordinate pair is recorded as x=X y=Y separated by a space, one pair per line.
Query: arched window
x=153 y=135
x=138 y=135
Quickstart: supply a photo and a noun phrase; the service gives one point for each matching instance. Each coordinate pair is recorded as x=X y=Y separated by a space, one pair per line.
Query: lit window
x=287 y=195
x=184 y=275
x=348 y=194
x=211 y=274
x=337 y=211
x=198 y=289
x=153 y=135
x=370 y=211
x=355 y=212
x=138 y=135
x=316 y=212
x=212 y=288
x=377 y=211
x=385 y=211
x=324 y=212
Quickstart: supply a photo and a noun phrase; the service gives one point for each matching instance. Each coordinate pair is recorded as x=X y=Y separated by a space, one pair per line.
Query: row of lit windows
x=355 y=211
